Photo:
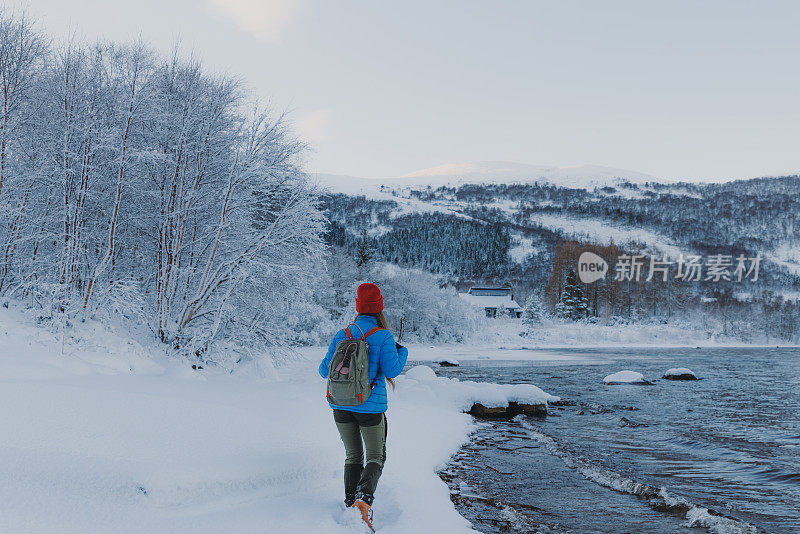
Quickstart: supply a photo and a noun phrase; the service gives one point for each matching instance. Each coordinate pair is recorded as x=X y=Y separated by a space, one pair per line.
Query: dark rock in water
x=642 y=382
x=529 y=409
x=624 y=421
x=479 y=410
x=562 y=403
x=685 y=376
x=507 y=412
x=679 y=373
x=448 y=363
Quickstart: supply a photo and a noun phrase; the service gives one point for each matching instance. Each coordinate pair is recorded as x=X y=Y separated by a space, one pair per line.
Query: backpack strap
x=378 y=372
x=371 y=331
x=350 y=336
x=375 y=380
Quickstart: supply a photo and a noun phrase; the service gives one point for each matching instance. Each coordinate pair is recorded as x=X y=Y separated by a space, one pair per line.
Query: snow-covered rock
x=626 y=377
x=679 y=373
x=478 y=398
x=449 y=362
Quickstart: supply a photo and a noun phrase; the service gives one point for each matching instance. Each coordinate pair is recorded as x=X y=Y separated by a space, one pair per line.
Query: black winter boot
x=352 y=474
x=368 y=482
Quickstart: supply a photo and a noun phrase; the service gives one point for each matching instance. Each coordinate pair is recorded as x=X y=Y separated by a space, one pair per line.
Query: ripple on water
x=657 y=498
x=729 y=442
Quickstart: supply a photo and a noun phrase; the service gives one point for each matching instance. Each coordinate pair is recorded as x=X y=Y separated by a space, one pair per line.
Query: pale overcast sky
x=677 y=89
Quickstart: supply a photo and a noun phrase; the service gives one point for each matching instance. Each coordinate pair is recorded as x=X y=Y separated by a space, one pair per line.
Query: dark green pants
x=360 y=481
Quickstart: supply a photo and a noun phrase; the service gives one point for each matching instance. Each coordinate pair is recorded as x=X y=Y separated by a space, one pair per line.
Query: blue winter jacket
x=382 y=350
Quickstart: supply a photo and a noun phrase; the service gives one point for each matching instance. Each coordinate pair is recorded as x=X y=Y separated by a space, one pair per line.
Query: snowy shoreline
x=112 y=436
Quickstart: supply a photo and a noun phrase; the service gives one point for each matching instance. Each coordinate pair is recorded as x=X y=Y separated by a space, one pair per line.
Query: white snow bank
x=678 y=371
x=421 y=373
x=421 y=382
x=103 y=438
x=508 y=339
x=625 y=377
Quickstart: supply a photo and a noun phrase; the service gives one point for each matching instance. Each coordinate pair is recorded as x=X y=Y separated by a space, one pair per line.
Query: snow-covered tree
x=572 y=304
x=22 y=55
x=364 y=256
x=533 y=311
x=364 y=252
x=149 y=186
x=418 y=308
x=337 y=295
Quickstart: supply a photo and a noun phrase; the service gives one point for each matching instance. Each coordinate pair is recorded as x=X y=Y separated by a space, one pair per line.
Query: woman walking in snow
x=360 y=360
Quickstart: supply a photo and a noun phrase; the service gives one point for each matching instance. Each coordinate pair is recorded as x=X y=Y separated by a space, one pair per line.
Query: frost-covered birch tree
x=22 y=53
x=144 y=187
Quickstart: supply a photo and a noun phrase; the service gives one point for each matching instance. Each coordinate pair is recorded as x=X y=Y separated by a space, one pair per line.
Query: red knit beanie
x=369 y=299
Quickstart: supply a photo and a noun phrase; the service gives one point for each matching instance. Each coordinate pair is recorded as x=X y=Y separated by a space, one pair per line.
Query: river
x=721 y=454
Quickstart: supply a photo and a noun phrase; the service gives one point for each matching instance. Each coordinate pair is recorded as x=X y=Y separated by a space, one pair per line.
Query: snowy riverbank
x=509 y=339
x=103 y=435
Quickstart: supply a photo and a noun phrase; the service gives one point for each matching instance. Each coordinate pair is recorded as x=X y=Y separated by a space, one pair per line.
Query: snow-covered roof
x=490 y=301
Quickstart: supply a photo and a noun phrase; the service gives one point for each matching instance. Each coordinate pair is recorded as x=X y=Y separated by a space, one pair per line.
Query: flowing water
x=721 y=454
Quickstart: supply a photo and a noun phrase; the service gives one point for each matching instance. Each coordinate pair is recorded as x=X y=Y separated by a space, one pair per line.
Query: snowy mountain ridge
x=506 y=172
x=487 y=172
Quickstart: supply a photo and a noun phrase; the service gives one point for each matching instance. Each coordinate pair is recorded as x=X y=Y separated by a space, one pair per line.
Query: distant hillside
x=758 y=216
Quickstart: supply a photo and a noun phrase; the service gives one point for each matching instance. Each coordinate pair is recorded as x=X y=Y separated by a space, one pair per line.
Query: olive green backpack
x=348 y=372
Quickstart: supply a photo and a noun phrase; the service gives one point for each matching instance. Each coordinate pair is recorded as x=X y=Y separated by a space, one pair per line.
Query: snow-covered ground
x=601 y=232
x=521 y=248
x=102 y=434
x=379 y=190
